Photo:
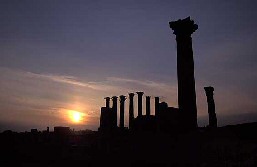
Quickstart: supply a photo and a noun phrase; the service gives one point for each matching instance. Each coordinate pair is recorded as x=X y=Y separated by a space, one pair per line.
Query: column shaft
x=131 y=109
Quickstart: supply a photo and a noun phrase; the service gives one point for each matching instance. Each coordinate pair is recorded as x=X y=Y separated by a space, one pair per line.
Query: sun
x=76 y=116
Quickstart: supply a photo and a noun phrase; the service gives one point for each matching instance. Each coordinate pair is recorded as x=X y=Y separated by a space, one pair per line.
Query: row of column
x=131 y=107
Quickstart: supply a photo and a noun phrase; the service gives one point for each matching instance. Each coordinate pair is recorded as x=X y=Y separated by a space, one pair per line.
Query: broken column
x=131 y=109
x=107 y=102
x=185 y=71
x=211 y=107
x=114 y=111
x=122 y=101
x=140 y=96
x=148 y=109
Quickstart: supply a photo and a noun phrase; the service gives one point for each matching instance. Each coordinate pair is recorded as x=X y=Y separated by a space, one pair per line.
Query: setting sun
x=76 y=116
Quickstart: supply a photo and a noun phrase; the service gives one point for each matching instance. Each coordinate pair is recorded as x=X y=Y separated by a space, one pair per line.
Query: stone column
x=122 y=102
x=107 y=102
x=211 y=107
x=114 y=111
x=131 y=109
x=140 y=96
x=148 y=107
x=185 y=71
x=157 y=101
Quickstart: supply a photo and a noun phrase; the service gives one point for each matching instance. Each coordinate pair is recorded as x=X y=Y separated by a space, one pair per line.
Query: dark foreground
x=230 y=146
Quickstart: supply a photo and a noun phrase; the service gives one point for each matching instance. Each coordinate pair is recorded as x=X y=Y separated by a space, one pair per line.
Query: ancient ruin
x=166 y=119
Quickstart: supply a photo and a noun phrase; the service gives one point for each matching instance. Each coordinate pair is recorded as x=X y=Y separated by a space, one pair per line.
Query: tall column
x=148 y=109
x=211 y=107
x=131 y=109
x=156 y=101
x=122 y=101
x=107 y=102
x=114 y=110
x=185 y=71
x=139 y=105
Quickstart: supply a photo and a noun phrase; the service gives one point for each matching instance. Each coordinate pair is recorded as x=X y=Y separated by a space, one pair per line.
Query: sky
x=58 y=57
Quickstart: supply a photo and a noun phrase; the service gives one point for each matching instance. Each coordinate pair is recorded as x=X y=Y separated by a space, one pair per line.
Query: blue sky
x=61 y=55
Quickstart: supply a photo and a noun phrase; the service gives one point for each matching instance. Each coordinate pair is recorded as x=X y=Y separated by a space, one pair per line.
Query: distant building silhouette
x=60 y=130
x=34 y=131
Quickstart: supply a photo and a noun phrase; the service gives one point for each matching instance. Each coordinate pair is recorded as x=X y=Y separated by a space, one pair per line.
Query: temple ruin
x=166 y=119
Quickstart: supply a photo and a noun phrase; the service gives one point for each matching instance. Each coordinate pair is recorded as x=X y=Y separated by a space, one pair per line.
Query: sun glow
x=76 y=116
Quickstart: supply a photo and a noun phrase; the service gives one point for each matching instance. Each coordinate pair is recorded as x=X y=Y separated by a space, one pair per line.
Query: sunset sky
x=60 y=57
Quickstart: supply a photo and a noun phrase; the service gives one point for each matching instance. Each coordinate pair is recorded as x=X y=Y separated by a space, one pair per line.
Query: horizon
x=63 y=56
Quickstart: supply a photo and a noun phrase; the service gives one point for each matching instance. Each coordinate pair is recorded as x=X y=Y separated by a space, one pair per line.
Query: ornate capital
x=114 y=97
x=183 y=27
x=209 y=90
x=122 y=98
x=131 y=94
x=140 y=93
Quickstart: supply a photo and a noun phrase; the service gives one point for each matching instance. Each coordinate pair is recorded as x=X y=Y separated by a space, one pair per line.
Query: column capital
x=140 y=93
x=122 y=98
x=131 y=94
x=114 y=97
x=184 y=27
x=209 y=90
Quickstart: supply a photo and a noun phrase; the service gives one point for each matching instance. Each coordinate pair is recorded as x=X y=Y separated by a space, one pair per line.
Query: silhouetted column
x=131 y=109
x=157 y=101
x=148 y=109
x=211 y=107
x=107 y=102
x=185 y=71
x=140 y=96
x=122 y=101
x=114 y=110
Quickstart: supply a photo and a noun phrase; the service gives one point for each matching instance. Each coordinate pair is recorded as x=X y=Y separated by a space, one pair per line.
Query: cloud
x=109 y=84
x=146 y=83
x=67 y=80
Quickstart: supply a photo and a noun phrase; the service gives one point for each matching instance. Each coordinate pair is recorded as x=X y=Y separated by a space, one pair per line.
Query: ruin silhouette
x=168 y=136
x=122 y=101
x=185 y=70
x=131 y=110
x=211 y=107
x=168 y=119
